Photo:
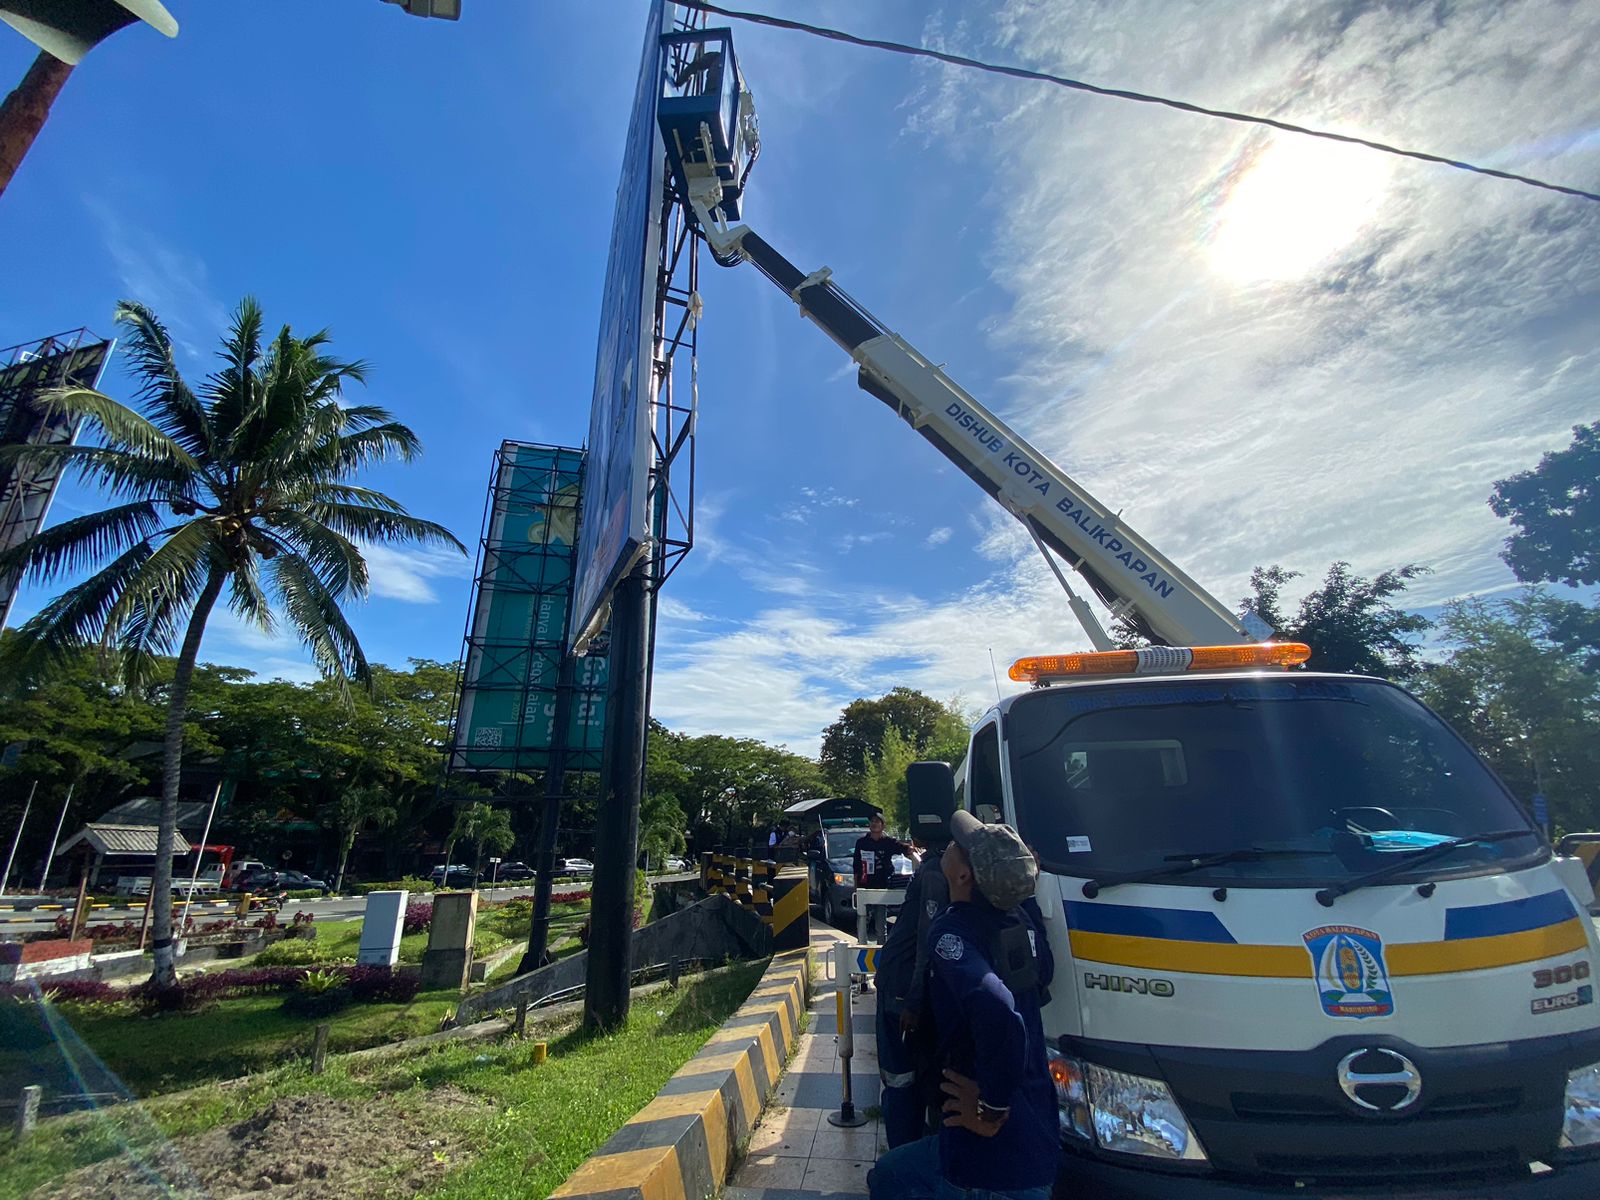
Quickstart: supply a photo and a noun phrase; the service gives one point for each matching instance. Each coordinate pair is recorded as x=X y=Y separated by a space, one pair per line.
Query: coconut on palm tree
x=241 y=485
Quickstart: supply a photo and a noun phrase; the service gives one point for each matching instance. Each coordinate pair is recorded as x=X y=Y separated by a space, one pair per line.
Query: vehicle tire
x=830 y=914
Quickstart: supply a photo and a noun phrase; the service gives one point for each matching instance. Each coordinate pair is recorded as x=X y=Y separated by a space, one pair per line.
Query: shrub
x=409 y=884
x=266 y=921
x=65 y=991
x=384 y=984
x=303 y=894
x=317 y=982
x=419 y=915
x=298 y=952
x=304 y=918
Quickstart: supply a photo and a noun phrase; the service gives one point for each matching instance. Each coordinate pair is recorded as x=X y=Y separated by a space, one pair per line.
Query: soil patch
x=307 y=1147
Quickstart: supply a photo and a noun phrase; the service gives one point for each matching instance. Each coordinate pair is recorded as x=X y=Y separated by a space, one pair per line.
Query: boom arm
x=1130 y=575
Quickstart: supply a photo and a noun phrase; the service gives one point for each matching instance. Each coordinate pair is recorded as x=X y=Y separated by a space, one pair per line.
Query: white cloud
x=174 y=284
x=1360 y=409
x=938 y=537
x=404 y=574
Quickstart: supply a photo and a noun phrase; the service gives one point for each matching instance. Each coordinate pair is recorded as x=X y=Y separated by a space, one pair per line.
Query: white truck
x=1306 y=943
x=207 y=883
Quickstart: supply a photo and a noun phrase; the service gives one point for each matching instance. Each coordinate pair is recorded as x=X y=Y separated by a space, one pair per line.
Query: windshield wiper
x=1406 y=860
x=1182 y=864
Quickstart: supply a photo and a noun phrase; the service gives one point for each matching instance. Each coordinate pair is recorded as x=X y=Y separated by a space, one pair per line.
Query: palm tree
x=486 y=828
x=241 y=484
x=356 y=808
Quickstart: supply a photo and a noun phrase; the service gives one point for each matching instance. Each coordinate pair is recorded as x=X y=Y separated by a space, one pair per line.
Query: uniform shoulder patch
x=950 y=946
x=933 y=908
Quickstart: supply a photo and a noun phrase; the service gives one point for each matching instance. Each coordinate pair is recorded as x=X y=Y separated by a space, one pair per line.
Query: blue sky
x=1262 y=350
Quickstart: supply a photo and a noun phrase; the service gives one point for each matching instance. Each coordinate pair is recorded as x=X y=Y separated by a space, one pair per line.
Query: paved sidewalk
x=794 y=1153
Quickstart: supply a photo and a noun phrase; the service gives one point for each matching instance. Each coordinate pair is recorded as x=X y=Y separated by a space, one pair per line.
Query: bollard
x=521 y=1026
x=847 y=1117
x=319 y=1051
x=541 y=1051
x=28 y=1110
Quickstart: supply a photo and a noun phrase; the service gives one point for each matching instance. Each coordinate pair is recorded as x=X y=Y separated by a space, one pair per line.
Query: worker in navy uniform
x=903 y=1058
x=991 y=963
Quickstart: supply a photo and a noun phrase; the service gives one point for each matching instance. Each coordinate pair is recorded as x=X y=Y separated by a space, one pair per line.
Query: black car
x=833 y=886
x=513 y=872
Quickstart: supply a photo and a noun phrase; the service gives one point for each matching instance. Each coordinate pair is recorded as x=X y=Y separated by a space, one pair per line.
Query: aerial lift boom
x=710 y=160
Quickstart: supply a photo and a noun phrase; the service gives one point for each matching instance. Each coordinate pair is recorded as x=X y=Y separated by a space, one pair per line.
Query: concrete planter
x=37 y=960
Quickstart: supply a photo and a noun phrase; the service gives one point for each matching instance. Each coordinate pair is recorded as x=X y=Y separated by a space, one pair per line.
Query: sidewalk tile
x=825 y=1176
x=771 y=1171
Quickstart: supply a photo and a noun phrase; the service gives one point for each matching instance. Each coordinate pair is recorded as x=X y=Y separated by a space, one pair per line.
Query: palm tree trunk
x=344 y=859
x=165 y=970
x=25 y=110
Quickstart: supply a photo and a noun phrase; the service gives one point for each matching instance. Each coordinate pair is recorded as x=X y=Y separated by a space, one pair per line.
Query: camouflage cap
x=1001 y=862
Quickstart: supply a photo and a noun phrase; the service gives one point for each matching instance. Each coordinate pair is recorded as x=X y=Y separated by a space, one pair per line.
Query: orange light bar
x=1159 y=660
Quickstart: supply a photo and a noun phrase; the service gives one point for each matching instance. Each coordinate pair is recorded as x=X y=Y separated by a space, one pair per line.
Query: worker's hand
x=961 y=1105
x=908 y=1021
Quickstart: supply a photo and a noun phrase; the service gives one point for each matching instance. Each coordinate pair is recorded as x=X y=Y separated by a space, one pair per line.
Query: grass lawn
x=524 y=1129
x=147 y=1055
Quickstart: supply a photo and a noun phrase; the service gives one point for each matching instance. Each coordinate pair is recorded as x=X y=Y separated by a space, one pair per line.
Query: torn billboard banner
x=615 y=531
x=506 y=720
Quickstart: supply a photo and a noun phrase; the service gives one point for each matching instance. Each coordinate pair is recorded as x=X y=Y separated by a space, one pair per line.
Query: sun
x=1292 y=206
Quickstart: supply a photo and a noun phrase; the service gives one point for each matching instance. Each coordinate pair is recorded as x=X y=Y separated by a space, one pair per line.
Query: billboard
x=74 y=359
x=615 y=531
x=507 y=716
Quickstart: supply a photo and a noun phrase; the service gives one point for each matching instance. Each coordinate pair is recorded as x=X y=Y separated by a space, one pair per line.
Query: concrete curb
x=682 y=1144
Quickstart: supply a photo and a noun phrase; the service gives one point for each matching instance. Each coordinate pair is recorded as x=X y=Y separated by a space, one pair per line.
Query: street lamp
x=64 y=31
x=449 y=10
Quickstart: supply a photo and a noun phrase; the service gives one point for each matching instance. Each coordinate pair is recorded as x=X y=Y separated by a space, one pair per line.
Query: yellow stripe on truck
x=1293 y=962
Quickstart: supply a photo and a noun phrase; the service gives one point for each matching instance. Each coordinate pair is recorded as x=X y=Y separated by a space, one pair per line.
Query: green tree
x=486 y=828
x=1522 y=701
x=1555 y=513
x=356 y=808
x=1351 y=623
x=242 y=484
x=884 y=781
x=850 y=742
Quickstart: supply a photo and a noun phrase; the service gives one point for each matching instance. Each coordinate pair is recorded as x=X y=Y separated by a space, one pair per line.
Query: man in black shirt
x=874 y=855
x=874 y=867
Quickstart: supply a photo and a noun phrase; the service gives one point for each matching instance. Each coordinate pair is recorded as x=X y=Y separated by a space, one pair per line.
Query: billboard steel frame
x=76 y=358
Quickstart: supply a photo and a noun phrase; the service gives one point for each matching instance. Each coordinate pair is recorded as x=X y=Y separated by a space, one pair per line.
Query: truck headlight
x=1581 y=1126
x=1128 y=1114
x=1134 y=1114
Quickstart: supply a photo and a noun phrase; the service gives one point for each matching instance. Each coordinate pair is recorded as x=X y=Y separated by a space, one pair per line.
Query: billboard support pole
x=555 y=786
x=610 y=959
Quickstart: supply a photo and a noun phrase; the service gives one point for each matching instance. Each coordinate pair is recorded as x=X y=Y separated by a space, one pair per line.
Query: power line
x=1079 y=85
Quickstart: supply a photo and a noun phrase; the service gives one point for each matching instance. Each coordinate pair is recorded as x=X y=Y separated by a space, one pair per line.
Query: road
x=18 y=915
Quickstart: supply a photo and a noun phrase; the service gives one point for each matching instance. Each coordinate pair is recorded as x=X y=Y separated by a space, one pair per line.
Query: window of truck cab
x=1333 y=777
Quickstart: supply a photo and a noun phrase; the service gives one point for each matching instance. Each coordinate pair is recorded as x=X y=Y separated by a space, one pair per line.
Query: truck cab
x=1305 y=941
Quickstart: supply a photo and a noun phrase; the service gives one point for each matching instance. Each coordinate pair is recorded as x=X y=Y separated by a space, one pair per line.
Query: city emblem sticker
x=1348 y=969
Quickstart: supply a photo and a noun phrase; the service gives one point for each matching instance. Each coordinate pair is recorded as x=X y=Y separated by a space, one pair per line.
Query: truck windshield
x=1343 y=775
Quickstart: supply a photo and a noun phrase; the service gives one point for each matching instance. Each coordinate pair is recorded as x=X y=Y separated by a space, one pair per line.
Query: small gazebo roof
x=108 y=840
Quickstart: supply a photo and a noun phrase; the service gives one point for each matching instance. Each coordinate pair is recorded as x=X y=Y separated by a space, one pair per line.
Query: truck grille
x=1300 y=1110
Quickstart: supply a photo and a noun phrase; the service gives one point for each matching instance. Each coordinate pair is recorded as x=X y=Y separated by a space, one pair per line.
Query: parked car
x=255 y=879
x=451 y=876
x=833 y=886
x=299 y=881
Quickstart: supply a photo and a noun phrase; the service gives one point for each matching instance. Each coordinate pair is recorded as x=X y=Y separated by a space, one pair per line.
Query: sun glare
x=1297 y=203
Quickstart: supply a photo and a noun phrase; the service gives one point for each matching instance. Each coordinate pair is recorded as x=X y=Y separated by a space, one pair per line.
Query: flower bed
x=365 y=984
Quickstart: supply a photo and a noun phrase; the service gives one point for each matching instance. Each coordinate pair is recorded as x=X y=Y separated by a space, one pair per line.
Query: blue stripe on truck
x=1510 y=916
x=1173 y=924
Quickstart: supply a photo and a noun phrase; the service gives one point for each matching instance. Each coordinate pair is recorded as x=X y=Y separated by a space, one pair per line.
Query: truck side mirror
x=931 y=798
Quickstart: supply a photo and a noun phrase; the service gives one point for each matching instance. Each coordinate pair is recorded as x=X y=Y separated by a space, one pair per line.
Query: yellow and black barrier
x=681 y=1145
x=789 y=915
